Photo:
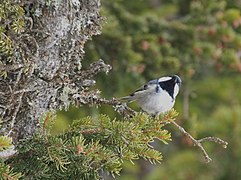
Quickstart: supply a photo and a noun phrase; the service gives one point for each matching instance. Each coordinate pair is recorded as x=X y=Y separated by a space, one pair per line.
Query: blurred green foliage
x=201 y=41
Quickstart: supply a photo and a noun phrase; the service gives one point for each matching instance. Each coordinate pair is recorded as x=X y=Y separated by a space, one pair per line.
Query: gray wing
x=148 y=88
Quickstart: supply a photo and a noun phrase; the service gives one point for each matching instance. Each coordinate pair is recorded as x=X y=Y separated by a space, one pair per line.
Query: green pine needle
x=5 y=142
x=91 y=145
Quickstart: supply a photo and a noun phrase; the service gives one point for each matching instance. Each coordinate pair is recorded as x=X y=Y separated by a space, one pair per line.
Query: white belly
x=156 y=103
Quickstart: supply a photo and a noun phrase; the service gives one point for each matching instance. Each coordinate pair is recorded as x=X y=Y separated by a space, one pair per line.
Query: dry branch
x=199 y=142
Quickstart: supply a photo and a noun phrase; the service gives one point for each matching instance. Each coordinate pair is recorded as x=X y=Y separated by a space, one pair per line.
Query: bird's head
x=177 y=80
x=171 y=84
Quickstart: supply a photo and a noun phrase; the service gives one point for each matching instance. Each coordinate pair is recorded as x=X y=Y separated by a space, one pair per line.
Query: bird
x=157 y=96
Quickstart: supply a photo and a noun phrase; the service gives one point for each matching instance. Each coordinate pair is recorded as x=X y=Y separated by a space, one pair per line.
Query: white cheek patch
x=176 y=90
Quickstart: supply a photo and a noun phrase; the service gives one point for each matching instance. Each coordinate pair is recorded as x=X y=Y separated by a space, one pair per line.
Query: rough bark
x=47 y=74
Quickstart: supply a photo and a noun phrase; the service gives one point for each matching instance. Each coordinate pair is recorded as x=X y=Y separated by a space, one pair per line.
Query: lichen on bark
x=45 y=71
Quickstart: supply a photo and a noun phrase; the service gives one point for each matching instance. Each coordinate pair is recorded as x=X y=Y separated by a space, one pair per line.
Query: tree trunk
x=47 y=74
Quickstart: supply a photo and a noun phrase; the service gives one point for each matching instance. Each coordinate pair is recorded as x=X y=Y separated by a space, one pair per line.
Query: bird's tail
x=128 y=98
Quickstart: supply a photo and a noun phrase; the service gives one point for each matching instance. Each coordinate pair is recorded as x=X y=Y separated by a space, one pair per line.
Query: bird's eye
x=145 y=86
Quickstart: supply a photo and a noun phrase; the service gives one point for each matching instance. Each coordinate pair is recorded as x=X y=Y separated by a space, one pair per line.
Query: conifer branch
x=7 y=149
x=126 y=110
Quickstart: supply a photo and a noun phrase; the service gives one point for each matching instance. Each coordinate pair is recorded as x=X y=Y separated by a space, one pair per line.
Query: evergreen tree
x=42 y=70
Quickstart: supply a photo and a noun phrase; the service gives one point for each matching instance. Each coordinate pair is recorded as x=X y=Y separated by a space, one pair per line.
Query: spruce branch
x=97 y=144
x=6 y=147
x=7 y=172
x=122 y=108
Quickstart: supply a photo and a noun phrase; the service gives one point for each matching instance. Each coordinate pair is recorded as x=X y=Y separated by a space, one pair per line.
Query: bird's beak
x=179 y=84
x=178 y=80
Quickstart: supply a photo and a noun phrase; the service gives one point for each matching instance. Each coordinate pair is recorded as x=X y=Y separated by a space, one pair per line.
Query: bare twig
x=214 y=139
x=199 y=142
x=120 y=107
x=25 y=90
x=90 y=131
x=18 y=79
x=95 y=68
x=10 y=67
x=15 y=113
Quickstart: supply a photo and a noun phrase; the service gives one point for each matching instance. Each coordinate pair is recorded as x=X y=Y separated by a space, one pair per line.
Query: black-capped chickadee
x=157 y=96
